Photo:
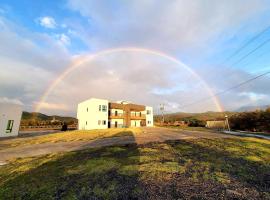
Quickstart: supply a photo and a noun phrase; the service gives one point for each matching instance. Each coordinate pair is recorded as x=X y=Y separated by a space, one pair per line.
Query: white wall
x=88 y=114
x=120 y=122
x=135 y=123
x=149 y=117
x=10 y=112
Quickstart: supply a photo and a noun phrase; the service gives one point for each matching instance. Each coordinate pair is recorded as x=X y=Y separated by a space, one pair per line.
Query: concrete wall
x=120 y=123
x=10 y=112
x=149 y=116
x=135 y=123
x=90 y=117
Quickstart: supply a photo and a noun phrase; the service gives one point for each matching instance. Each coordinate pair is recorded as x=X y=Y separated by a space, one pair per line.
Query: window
x=9 y=126
x=148 y=112
x=104 y=122
x=85 y=122
x=99 y=122
x=86 y=109
x=149 y=122
x=99 y=108
x=104 y=108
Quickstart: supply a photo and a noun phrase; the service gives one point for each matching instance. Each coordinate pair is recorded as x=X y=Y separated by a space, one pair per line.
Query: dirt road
x=154 y=134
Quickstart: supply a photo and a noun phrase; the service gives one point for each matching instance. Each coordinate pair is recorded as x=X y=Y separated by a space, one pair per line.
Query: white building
x=10 y=117
x=102 y=114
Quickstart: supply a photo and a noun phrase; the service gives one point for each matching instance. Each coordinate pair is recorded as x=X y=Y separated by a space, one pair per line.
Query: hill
x=252 y=108
x=29 y=116
x=197 y=116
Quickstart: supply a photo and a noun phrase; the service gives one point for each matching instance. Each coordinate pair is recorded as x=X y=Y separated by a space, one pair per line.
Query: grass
x=186 y=169
x=69 y=136
x=189 y=128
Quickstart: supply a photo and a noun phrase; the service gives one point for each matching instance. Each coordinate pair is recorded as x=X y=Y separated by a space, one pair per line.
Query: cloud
x=167 y=25
x=63 y=39
x=8 y=100
x=47 y=22
x=52 y=106
x=29 y=61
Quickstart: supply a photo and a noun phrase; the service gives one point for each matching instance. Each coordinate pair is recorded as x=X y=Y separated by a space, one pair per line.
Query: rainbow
x=76 y=63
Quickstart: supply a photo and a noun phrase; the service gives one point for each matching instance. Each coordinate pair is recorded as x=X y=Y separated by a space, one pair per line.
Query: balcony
x=137 y=116
x=116 y=116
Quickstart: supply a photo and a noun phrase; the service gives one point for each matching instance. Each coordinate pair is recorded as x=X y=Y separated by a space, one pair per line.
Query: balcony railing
x=116 y=115
x=117 y=126
x=137 y=116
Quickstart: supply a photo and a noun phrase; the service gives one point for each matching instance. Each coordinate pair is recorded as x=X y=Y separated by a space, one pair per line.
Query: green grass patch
x=70 y=136
x=169 y=170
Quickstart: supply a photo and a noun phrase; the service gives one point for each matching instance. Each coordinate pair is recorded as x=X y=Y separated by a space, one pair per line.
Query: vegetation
x=257 y=121
x=200 y=117
x=36 y=119
x=190 y=169
x=69 y=136
x=189 y=128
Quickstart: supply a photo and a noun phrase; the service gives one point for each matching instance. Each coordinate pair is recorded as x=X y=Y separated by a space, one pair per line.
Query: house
x=101 y=114
x=10 y=117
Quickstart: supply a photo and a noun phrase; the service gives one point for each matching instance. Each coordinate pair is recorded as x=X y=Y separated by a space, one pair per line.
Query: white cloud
x=47 y=22
x=28 y=62
x=52 y=106
x=10 y=100
x=167 y=25
x=63 y=39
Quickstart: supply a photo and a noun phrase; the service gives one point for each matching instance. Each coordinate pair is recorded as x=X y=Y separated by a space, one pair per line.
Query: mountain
x=28 y=116
x=199 y=116
x=252 y=108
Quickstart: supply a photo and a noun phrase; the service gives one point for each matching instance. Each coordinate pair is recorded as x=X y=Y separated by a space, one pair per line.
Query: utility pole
x=227 y=122
x=162 y=112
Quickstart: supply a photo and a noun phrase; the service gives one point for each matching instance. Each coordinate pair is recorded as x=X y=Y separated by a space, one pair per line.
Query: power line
x=246 y=44
x=227 y=90
x=252 y=51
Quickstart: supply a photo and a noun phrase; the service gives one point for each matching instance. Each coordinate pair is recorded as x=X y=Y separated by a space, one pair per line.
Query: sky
x=177 y=52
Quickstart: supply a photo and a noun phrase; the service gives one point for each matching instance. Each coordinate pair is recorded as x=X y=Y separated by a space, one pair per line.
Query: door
x=109 y=124
x=115 y=124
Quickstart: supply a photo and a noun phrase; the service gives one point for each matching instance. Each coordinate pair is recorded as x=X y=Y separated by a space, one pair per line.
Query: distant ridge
x=199 y=116
x=42 y=117
x=252 y=108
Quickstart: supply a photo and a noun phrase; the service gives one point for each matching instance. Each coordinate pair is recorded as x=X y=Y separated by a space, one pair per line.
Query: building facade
x=10 y=118
x=103 y=114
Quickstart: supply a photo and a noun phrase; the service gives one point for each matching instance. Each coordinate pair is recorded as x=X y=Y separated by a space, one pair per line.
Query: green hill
x=198 y=116
x=28 y=116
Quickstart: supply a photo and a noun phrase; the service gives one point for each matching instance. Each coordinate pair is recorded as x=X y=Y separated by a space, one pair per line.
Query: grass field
x=189 y=128
x=187 y=169
x=69 y=136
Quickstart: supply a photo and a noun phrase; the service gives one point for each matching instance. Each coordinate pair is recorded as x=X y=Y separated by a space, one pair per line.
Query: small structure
x=220 y=125
x=10 y=117
x=102 y=114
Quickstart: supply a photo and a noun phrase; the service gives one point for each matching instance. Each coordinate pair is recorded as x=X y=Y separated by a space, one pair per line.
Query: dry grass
x=186 y=169
x=70 y=136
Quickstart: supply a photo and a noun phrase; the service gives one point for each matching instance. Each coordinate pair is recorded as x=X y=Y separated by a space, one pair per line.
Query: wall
x=135 y=123
x=88 y=114
x=216 y=124
x=149 y=117
x=120 y=123
x=10 y=112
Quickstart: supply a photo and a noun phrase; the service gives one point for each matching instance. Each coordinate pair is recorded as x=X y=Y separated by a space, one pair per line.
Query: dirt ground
x=154 y=134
